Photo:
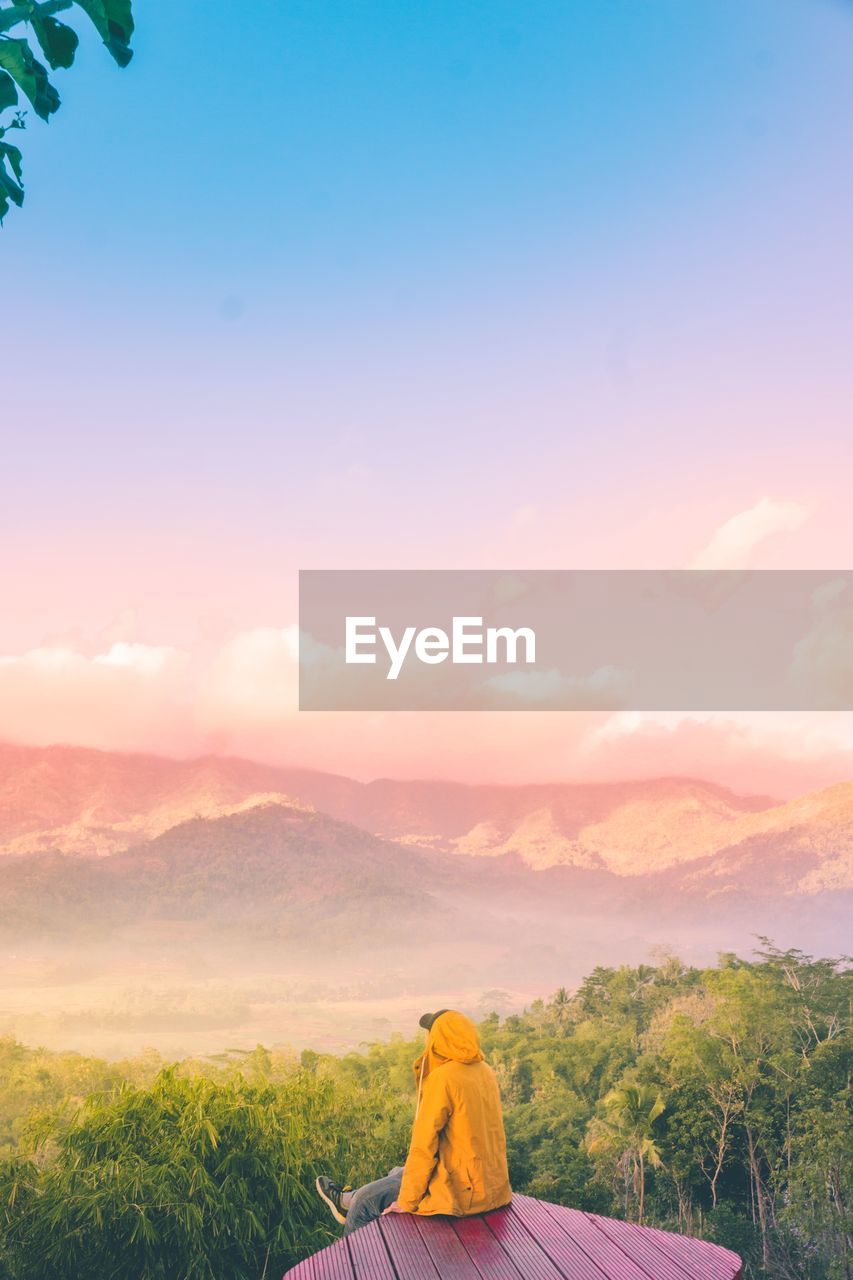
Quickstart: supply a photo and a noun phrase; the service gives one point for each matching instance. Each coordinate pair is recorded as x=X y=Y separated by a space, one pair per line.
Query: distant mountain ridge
x=706 y=838
x=173 y=902
x=266 y=869
x=84 y=801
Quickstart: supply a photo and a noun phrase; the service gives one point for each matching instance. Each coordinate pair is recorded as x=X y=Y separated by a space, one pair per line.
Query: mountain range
x=707 y=839
x=194 y=903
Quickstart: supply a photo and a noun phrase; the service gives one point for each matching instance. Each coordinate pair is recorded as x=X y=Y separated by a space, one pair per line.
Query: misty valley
x=178 y=904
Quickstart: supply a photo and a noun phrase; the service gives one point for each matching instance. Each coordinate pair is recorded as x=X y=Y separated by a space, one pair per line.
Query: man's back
x=476 y=1127
x=457 y=1157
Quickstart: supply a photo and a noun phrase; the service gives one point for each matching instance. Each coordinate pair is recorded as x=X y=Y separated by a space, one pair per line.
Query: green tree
x=192 y=1177
x=820 y=1204
x=23 y=24
x=754 y=1059
x=626 y=1129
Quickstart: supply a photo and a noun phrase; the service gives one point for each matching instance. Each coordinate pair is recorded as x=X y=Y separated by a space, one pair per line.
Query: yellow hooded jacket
x=457 y=1156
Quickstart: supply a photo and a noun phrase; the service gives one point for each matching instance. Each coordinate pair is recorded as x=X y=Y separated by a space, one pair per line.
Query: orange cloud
x=243 y=700
x=131 y=696
x=733 y=543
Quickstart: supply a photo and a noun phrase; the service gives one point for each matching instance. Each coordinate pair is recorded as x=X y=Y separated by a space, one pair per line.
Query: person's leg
x=370 y=1201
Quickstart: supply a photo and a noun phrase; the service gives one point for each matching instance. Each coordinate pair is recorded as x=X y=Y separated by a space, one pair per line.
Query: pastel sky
x=466 y=284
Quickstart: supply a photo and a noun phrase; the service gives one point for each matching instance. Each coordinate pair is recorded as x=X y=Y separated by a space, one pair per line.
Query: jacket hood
x=455 y=1037
x=452 y=1037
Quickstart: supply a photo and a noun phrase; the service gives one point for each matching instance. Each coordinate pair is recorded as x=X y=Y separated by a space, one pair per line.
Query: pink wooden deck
x=530 y=1240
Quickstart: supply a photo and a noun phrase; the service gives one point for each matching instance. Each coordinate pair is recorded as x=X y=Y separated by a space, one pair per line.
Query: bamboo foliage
x=190 y=1179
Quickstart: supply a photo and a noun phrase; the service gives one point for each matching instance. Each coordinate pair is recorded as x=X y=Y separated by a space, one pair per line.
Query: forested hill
x=711 y=1101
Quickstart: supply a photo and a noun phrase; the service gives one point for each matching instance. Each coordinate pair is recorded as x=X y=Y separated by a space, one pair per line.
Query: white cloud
x=128 y=697
x=145 y=658
x=786 y=735
x=733 y=543
x=605 y=687
x=243 y=697
x=252 y=680
x=822 y=662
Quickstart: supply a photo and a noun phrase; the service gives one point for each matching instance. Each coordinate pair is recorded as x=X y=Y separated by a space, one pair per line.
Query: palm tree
x=627 y=1130
x=561 y=1008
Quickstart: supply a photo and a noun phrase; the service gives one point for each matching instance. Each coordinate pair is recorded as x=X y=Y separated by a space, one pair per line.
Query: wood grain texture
x=528 y=1240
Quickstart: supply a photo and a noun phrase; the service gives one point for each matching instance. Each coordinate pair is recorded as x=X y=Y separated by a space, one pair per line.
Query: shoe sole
x=336 y=1214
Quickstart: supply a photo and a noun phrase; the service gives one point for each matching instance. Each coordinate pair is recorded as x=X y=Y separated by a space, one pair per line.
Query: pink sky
x=559 y=291
x=179 y=675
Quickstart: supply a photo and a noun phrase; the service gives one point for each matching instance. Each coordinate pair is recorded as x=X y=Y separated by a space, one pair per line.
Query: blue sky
x=326 y=285
x=320 y=282
x=329 y=148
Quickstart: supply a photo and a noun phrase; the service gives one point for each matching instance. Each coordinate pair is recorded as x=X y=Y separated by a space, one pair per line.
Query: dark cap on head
x=427 y=1019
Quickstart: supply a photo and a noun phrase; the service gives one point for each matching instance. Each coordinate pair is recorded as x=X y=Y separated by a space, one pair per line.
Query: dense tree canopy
x=714 y=1102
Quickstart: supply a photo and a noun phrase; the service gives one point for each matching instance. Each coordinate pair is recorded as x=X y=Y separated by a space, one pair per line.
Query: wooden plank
x=568 y=1256
x=309 y=1268
x=639 y=1244
x=529 y=1240
x=607 y=1256
x=484 y=1251
x=369 y=1257
x=520 y=1247
x=406 y=1248
x=448 y=1254
x=332 y=1263
x=301 y=1271
x=717 y=1263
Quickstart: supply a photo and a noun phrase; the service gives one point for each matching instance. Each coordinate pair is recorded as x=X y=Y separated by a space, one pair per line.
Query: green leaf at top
x=17 y=58
x=9 y=188
x=8 y=92
x=13 y=155
x=114 y=23
x=58 y=42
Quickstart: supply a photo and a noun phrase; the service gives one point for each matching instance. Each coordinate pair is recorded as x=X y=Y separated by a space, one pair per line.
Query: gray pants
x=371 y=1200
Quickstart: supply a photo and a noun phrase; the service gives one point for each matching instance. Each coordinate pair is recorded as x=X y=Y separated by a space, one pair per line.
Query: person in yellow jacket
x=457 y=1154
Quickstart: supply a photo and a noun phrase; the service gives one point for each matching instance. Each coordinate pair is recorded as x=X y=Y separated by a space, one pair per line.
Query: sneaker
x=331 y=1193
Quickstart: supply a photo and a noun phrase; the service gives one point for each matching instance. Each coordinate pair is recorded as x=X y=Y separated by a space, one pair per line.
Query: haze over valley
x=195 y=904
